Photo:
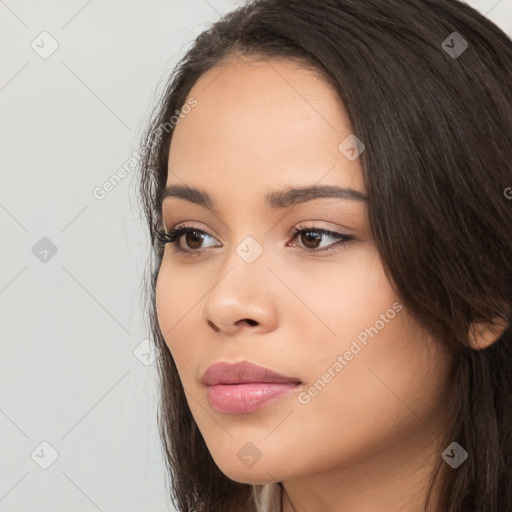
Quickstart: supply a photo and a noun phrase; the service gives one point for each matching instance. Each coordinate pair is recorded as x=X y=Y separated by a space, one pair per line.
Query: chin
x=249 y=476
x=264 y=471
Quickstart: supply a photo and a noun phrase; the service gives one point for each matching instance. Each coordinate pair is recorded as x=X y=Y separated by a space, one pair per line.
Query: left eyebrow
x=292 y=196
x=274 y=200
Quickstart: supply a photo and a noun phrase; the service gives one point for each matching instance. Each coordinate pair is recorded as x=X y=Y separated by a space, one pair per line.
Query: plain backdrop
x=78 y=388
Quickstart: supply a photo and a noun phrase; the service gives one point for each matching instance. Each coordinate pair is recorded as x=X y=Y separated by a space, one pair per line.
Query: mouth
x=244 y=387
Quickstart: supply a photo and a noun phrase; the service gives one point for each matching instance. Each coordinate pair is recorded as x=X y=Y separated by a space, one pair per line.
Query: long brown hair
x=437 y=125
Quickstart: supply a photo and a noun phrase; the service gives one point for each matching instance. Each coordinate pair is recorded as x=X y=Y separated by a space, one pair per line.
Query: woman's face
x=372 y=384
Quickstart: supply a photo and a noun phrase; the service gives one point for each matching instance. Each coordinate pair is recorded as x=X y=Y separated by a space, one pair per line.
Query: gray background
x=77 y=383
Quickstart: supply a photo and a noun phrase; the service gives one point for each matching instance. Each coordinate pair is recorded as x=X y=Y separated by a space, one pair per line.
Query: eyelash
x=176 y=233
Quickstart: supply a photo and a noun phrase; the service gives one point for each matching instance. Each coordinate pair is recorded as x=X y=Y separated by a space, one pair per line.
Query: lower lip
x=243 y=398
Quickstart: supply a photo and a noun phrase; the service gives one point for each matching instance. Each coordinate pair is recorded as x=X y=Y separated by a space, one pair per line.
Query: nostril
x=251 y=322
x=213 y=326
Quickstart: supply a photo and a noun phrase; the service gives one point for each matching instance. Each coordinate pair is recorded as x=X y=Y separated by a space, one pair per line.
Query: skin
x=369 y=439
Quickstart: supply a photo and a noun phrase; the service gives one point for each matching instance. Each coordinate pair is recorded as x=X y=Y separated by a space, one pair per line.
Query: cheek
x=380 y=398
x=177 y=301
x=382 y=380
x=387 y=360
x=346 y=297
x=171 y=304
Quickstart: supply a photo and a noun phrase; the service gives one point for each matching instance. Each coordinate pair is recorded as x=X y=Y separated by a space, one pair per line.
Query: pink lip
x=245 y=387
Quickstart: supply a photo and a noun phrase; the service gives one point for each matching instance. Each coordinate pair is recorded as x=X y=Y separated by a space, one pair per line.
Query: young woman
x=327 y=186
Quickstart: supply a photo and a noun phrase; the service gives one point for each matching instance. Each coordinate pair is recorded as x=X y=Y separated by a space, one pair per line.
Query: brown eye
x=311 y=238
x=193 y=239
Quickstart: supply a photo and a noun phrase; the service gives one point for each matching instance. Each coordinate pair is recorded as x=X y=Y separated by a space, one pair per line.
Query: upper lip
x=241 y=373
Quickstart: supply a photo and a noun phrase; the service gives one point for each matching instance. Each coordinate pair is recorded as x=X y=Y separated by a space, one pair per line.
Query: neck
x=392 y=478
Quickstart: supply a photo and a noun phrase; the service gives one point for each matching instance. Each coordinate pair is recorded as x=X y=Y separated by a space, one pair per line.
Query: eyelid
x=185 y=225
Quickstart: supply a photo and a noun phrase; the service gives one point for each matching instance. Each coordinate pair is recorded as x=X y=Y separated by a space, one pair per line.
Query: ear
x=483 y=335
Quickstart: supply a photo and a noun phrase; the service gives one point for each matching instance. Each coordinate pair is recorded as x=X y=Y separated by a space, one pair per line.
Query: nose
x=242 y=299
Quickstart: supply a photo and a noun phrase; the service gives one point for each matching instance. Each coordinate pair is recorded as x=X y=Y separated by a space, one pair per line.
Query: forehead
x=259 y=124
